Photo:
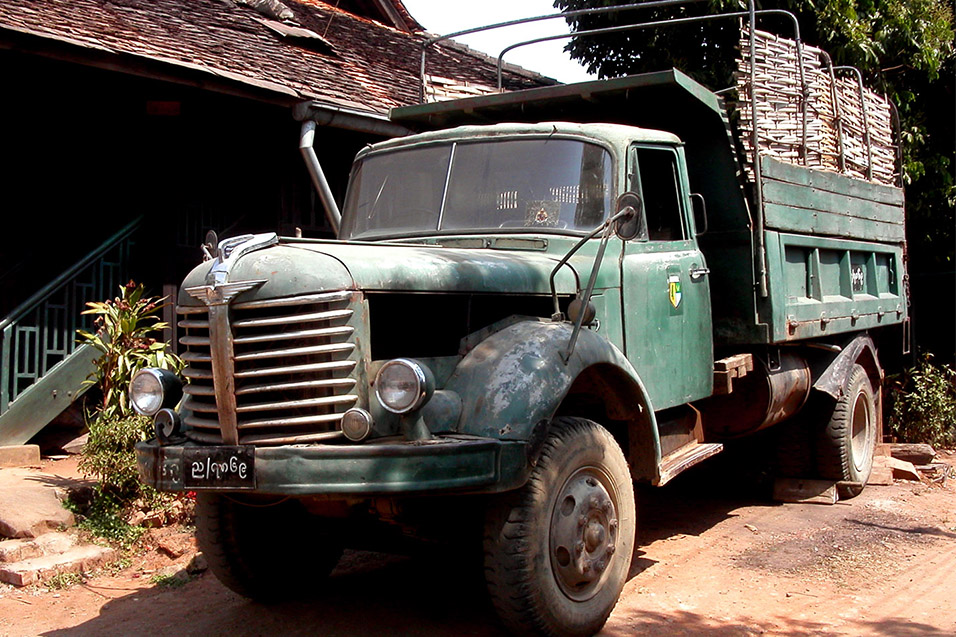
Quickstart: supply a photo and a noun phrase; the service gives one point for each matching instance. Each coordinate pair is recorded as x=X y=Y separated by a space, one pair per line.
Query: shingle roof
x=361 y=64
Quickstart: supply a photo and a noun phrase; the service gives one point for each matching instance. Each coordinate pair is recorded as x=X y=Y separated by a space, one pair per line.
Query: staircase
x=42 y=368
x=36 y=560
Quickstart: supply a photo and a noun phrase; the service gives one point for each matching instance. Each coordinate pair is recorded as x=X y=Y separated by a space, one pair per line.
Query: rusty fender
x=512 y=382
x=834 y=379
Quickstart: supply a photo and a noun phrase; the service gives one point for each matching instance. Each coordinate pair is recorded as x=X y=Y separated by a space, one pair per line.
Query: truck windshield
x=522 y=184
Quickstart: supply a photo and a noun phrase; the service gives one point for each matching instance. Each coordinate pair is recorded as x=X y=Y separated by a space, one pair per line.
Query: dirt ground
x=715 y=557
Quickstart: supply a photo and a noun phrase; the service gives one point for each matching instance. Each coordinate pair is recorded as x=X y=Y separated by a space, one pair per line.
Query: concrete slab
x=30 y=504
x=37 y=569
x=19 y=455
x=46 y=544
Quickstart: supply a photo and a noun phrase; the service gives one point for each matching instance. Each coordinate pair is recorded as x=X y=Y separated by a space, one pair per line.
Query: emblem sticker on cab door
x=673 y=290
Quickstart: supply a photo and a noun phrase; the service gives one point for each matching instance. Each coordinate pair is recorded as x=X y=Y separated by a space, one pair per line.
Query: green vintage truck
x=518 y=321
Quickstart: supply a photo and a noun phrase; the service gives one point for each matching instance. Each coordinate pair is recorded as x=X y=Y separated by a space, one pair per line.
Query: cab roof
x=608 y=133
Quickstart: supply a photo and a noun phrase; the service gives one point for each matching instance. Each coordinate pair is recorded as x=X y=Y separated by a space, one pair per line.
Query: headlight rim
x=170 y=390
x=426 y=385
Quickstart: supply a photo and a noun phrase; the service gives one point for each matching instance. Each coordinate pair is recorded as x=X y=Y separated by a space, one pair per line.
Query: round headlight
x=403 y=385
x=152 y=389
x=356 y=424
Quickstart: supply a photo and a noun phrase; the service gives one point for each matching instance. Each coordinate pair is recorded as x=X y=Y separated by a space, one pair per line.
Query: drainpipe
x=306 y=141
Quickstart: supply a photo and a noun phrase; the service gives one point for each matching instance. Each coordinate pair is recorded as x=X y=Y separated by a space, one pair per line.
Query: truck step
x=685 y=458
x=38 y=569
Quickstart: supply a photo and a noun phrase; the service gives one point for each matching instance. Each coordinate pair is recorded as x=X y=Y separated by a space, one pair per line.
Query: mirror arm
x=607 y=228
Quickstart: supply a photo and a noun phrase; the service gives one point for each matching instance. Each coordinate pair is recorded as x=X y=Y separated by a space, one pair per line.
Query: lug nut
x=582 y=520
x=579 y=547
x=610 y=549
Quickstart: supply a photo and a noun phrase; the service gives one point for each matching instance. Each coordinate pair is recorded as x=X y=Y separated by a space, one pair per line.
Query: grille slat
x=297 y=351
x=193 y=389
x=197 y=374
x=197 y=406
x=273 y=321
x=325 y=297
x=345 y=330
x=194 y=324
x=296 y=369
x=331 y=383
x=293 y=393
x=295 y=421
x=346 y=399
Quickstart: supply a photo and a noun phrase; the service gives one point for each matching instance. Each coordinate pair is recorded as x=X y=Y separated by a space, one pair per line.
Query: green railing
x=41 y=332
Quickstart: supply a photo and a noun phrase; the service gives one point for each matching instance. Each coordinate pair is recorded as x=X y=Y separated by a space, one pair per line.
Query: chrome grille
x=294 y=369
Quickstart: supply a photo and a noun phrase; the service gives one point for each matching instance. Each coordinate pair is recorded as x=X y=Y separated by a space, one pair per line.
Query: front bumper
x=477 y=465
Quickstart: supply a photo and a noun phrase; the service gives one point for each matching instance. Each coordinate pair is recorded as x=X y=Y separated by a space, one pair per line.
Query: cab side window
x=655 y=177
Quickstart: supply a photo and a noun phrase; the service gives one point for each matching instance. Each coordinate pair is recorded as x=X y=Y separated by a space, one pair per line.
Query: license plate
x=219 y=467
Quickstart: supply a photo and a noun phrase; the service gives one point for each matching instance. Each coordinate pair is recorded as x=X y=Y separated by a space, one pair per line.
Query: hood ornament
x=213 y=295
x=229 y=251
x=224 y=255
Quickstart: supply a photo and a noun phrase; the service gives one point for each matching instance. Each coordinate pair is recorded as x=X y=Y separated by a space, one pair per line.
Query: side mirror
x=700 y=212
x=632 y=226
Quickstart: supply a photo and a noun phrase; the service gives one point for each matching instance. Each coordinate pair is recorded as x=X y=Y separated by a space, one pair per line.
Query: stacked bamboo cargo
x=846 y=131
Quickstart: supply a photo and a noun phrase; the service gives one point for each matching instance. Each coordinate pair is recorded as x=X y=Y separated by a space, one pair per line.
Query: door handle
x=696 y=273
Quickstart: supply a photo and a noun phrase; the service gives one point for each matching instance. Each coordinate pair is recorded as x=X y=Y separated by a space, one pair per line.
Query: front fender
x=516 y=378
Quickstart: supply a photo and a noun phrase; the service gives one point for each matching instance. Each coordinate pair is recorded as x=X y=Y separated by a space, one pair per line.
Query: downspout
x=306 y=141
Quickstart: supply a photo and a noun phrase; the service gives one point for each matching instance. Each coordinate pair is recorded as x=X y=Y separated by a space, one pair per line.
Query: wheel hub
x=860 y=431
x=583 y=533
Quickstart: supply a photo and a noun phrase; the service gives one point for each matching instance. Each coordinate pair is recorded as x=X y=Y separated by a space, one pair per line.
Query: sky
x=441 y=17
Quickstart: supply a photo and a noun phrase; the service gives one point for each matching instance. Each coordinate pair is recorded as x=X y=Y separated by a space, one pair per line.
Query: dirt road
x=715 y=558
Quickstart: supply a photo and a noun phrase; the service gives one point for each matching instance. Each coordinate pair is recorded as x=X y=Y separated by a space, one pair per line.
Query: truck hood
x=305 y=267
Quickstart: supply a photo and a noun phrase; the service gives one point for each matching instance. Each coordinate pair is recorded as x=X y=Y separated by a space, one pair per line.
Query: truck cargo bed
x=834 y=244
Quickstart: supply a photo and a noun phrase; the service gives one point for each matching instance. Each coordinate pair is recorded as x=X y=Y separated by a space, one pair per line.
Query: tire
x=557 y=551
x=848 y=442
x=264 y=552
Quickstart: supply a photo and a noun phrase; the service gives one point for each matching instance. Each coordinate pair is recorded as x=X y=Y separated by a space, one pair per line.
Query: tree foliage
x=904 y=49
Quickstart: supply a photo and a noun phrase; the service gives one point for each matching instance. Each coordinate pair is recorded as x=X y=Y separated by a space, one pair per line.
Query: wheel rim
x=861 y=427
x=584 y=533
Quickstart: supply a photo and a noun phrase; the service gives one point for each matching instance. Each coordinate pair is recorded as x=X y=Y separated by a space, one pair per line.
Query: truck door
x=666 y=310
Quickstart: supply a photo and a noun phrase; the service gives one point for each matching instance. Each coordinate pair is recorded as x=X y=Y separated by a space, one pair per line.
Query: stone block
x=19 y=455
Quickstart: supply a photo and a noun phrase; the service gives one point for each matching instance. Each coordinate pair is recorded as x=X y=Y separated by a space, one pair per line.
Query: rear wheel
x=558 y=550
x=267 y=552
x=848 y=442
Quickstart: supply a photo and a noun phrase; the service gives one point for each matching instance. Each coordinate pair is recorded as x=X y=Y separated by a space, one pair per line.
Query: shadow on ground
x=372 y=593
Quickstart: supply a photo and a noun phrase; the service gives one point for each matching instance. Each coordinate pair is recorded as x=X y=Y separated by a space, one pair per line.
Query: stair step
x=37 y=569
x=46 y=544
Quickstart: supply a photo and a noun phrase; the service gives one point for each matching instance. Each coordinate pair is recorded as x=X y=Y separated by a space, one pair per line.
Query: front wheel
x=848 y=442
x=267 y=552
x=558 y=550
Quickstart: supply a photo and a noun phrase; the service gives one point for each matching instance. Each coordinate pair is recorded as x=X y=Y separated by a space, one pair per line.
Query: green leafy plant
x=103 y=518
x=61 y=581
x=170 y=581
x=922 y=403
x=126 y=327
